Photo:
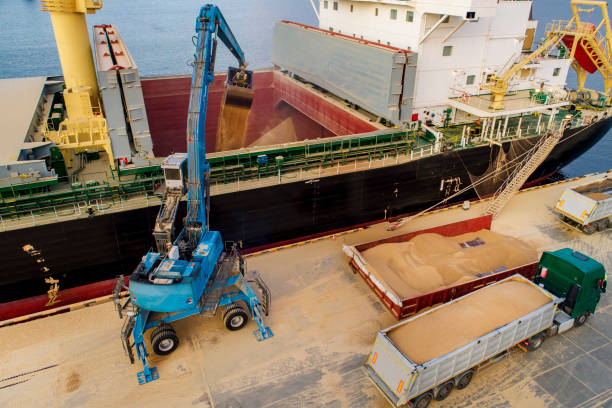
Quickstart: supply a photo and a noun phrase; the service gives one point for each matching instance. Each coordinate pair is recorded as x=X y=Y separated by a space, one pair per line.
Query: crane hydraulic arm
x=210 y=26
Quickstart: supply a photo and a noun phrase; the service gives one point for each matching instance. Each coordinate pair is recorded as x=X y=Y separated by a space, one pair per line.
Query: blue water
x=159 y=34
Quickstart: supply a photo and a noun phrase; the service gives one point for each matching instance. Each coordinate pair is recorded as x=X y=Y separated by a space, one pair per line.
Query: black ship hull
x=87 y=250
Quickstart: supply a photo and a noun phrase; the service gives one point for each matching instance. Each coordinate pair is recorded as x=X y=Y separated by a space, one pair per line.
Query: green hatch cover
x=564 y=269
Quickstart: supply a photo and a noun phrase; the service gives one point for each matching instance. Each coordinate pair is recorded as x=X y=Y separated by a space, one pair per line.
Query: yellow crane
x=85 y=126
x=589 y=50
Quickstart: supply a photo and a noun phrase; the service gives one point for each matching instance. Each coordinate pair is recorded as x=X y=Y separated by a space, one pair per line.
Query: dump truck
x=587 y=207
x=428 y=355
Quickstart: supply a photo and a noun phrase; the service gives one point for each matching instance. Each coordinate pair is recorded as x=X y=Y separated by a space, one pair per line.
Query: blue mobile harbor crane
x=194 y=273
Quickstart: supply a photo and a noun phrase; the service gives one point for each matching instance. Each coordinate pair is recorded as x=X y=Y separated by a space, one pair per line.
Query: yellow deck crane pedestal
x=85 y=128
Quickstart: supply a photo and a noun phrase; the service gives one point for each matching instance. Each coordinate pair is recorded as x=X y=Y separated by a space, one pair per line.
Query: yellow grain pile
x=437 y=333
x=429 y=262
x=284 y=132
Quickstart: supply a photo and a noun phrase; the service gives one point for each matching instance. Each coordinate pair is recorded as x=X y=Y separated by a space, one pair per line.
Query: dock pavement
x=324 y=318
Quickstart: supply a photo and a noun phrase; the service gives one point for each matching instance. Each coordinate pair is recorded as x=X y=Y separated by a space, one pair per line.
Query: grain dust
x=231 y=132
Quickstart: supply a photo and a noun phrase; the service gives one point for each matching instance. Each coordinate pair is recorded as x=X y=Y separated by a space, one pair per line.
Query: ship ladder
x=264 y=291
x=209 y=303
x=523 y=170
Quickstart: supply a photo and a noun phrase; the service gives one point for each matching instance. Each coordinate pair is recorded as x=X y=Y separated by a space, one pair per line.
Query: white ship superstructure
x=460 y=44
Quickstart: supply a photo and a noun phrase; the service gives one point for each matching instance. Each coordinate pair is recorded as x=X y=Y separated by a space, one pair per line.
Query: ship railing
x=78 y=209
x=312 y=174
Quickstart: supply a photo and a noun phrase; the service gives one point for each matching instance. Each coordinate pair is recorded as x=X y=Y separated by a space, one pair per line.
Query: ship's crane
x=195 y=273
x=589 y=50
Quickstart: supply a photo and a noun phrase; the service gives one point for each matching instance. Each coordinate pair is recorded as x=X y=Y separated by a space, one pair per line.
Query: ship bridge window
x=447 y=51
x=470 y=79
x=326 y=4
x=410 y=16
x=556 y=71
x=351 y=8
x=393 y=14
x=335 y=5
x=376 y=11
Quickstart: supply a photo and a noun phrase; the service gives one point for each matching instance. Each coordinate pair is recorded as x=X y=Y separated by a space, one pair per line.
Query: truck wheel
x=535 y=342
x=164 y=340
x=235 y=318
x=444 y=391
x=423 y=400
x=580 y=320
x=464 y=380
x=589 y=229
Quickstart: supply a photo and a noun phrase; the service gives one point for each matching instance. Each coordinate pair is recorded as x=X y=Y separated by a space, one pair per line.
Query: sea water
x=159 y=35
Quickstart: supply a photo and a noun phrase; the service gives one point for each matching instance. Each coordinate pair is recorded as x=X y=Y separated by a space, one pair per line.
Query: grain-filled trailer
x=428 y=355
x=405 y=304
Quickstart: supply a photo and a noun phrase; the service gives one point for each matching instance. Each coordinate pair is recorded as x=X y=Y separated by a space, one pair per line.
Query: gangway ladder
x=524 y=169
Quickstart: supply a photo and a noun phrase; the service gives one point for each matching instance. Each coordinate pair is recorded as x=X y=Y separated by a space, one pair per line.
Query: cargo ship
x=383 y=110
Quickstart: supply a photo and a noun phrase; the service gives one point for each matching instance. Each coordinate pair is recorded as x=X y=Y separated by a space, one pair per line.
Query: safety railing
x=78 y=209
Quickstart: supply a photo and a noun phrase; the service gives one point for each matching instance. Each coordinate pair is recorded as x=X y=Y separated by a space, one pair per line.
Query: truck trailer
x=405 y=306
x=428 y=355
x=587 y=207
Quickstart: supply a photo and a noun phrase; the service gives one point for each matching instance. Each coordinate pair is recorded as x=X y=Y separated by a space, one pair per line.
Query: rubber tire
x=231 y=314
x=464 y=380
x=602 y=225
x=423 y=400
x=444 y=391
x=589 y=229
x=535 y=342
x=164 y=334
x=580 y=320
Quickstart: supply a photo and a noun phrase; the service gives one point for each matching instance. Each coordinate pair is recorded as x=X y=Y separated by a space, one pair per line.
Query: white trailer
x=588 y=206
x=406 y=383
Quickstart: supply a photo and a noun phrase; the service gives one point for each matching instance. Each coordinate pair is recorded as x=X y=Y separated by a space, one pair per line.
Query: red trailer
x=402 y=308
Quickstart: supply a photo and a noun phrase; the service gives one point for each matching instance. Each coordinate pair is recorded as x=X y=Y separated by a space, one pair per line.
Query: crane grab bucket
x=239 y=87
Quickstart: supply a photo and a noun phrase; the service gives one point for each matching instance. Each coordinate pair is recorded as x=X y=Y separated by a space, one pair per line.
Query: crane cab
x=175 y=172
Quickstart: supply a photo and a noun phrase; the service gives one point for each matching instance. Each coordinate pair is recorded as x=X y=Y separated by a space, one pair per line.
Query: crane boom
x=210 y=25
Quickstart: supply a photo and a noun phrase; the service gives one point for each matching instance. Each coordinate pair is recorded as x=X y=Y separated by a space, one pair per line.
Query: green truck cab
x=574 y=277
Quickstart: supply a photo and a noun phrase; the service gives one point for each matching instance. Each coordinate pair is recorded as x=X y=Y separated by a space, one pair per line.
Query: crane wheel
x=164 y=340
x=235 y=317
